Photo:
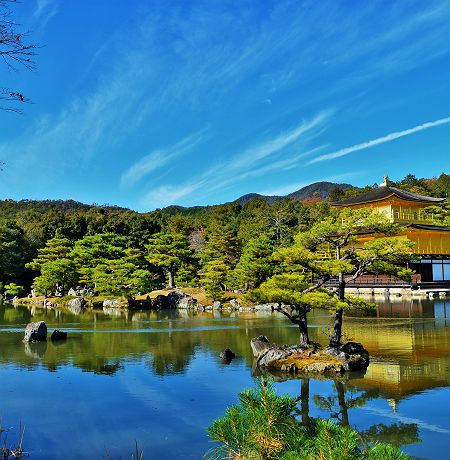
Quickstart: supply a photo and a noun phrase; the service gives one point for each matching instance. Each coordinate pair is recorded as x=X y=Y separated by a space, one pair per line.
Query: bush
x=263 y=426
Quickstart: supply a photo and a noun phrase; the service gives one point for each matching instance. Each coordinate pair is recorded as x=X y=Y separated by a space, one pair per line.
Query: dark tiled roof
x=429 y=227
x=385 y=191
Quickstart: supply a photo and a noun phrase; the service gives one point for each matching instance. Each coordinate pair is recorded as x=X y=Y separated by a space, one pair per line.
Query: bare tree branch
x=15 y=52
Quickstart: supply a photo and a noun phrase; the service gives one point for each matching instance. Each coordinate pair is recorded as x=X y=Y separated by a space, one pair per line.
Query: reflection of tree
x=397 y=434
x=338 y=405
x=304 y=399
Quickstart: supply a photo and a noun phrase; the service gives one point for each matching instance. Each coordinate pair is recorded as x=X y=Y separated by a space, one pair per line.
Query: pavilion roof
x=386 y=191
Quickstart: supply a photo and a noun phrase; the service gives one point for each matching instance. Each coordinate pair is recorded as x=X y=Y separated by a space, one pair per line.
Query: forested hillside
x=45 y=243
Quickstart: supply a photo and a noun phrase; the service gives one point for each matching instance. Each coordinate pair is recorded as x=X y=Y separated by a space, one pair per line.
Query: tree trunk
x=171 y=281
x=335 y=340
x=336 y=336
x=303 y=328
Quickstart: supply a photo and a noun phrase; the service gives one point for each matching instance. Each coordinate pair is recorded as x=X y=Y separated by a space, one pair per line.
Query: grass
x=11 y=452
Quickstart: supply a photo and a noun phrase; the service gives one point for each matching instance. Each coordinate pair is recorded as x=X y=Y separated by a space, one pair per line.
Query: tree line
x=50 y=244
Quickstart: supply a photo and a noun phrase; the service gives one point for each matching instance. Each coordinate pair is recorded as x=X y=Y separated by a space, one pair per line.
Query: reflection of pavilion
x=406 y=356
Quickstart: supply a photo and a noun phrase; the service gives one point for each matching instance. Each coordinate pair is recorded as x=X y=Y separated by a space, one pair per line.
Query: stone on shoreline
x=76 y=305
x=179 y=299
x=111 y=303
x=36 y=332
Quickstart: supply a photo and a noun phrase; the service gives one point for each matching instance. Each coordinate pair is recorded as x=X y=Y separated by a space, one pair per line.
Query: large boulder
x=111 y=303
x=36 y=332
x=179 y=299
x=235 y=304
x=76 y=305
x=259 y=345
x=161 y=302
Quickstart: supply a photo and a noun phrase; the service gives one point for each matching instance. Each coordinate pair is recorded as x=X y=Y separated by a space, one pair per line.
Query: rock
x=272 y=355
x=161 y=303
x=353 y=348
x=243 y=309
x=291 y=359
x=235 y=304
x=266 y=307
x=355 y=363
x=216 y=305
x=227 y=356
x=291 y=367
x=76 y=305
x=323 y=368
x=72 y=292
x=179 y=299
x=58 y=335
x=259 y=345
x=111 y=303
x=332 y=351
x=36 y=332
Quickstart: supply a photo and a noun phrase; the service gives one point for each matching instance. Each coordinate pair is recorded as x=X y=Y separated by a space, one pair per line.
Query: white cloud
x=167 y=194
x=269 y=148
x=159 y=158
x=45 y=10
x=273 y=154
x=380 y=140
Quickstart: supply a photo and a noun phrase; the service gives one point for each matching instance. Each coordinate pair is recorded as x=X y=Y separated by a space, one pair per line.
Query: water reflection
x=408 y=339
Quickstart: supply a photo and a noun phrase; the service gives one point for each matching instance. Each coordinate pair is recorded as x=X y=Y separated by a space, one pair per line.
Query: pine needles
x=263 y=426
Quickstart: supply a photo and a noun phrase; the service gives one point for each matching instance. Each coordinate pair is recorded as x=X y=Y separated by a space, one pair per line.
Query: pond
x=156 y=378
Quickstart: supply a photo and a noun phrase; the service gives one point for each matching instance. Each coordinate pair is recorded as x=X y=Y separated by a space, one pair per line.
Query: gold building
x=432 y=242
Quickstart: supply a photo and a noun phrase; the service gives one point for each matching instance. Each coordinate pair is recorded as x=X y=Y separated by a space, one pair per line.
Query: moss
x=304 y=363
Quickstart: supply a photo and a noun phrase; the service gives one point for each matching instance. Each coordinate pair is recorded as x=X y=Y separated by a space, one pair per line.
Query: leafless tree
x=15 y=52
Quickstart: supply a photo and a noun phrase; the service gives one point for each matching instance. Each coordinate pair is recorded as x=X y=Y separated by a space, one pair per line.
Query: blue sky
x=149 y=103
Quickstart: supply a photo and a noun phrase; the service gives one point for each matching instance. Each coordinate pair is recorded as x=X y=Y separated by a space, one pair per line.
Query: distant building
x=432 y=242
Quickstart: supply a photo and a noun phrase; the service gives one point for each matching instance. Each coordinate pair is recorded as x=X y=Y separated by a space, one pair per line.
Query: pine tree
x=96 y=250
x=55 y=248
x=213 y=278
x=169 y=251
x=61 y=272
x=255 y=264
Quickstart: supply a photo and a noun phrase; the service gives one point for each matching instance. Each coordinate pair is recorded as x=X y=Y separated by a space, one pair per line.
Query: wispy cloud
x=44 y=11
x=166 y=195
x=159 y=158
x=380 y=140
x=267 y=149
x=280 y=152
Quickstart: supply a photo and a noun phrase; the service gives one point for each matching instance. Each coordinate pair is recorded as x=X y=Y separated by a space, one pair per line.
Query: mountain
x=318 y=189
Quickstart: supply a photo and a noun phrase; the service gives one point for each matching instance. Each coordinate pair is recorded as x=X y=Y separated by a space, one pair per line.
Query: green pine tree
x=170 y=252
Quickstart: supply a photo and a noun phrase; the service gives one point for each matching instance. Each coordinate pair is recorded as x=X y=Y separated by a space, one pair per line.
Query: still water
x=156 y=378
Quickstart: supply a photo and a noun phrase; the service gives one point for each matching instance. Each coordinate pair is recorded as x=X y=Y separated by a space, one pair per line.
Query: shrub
x=263 y=426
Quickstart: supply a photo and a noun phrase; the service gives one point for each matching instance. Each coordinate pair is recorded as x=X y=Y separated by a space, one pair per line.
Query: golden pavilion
x=432 y=242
